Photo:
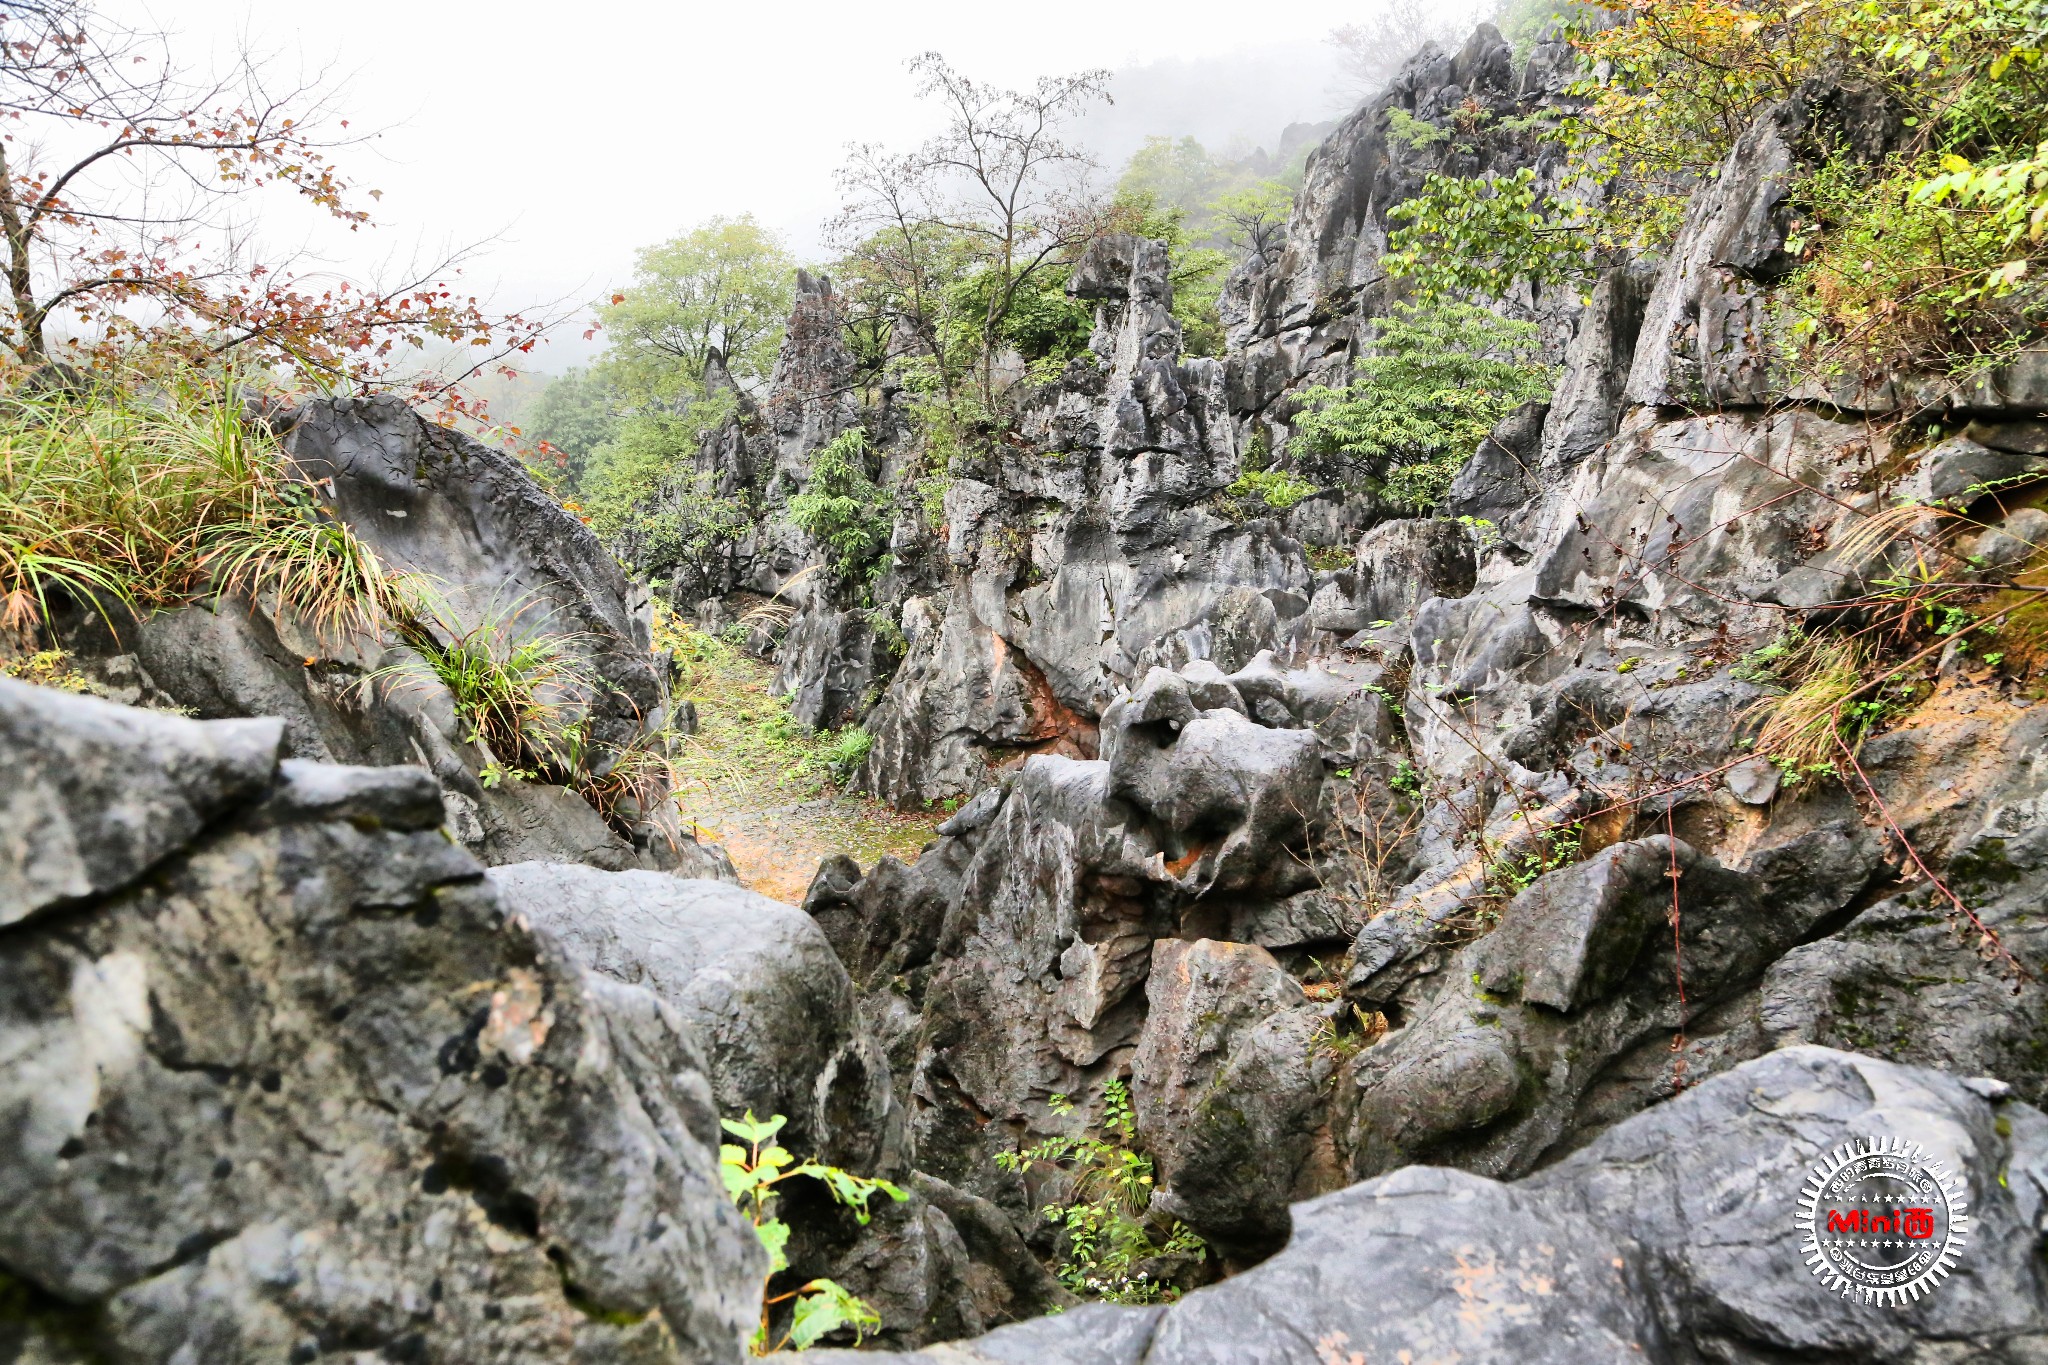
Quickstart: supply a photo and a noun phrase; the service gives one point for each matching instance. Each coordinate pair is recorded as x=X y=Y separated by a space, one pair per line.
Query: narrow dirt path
x=766 y=788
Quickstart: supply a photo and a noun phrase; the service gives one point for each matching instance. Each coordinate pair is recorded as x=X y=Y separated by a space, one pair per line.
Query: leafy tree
x=1220 y=203
x=1371 y=51
x=1474 y=237
x=1438 y=379
x=996 y=192
x=647 y=449
x=725 y=286
x=1177 y=172
x=574 y=415
x=119 y=181
x=1254 y=217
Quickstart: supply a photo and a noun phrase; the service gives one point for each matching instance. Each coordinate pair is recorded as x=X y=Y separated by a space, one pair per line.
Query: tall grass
x=519 y=691
x=153 y=497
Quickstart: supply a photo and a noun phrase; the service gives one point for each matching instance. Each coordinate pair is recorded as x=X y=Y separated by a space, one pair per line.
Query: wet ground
x=768 y=790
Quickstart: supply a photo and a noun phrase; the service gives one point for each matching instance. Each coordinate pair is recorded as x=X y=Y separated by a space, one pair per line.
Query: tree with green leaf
x=1438 y=377
x=997 y=193
x=574 y=415
x=753 y=1170
x=647 y=450
x=725 y=286
x=1466 y=237
x=1177 y=172
x=1254 y=216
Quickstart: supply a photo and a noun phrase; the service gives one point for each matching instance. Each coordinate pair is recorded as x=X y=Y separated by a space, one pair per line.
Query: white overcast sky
x=572 y=132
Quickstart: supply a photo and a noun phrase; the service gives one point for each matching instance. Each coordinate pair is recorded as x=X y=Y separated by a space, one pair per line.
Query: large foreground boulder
x=1671 y=1238
x=758 y=981
x=281 y=1079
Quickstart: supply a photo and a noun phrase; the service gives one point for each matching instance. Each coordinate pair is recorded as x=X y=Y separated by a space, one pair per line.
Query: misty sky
x=574 y=131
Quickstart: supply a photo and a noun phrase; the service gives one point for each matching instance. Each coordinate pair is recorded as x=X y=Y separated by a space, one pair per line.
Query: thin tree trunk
x=28 y=315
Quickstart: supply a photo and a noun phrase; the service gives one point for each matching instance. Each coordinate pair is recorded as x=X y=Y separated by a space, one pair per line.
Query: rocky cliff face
x=283 y=1077
x=286 y=1074
x=1478 y=992
x=1278 y=844
x=1671 y=1238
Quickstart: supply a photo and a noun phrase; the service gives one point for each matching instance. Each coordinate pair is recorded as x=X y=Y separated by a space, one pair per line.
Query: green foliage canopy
x=726 y=286
x=1438 y=379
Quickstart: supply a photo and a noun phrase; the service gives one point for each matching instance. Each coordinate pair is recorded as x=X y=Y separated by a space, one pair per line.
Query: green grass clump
x=154 y=498
x=519 y=691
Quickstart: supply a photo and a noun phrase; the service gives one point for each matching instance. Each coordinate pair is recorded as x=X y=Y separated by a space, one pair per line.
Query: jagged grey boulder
x=295 y=1083
x=1670 y=1239
x=757 y=980
x=80 y=817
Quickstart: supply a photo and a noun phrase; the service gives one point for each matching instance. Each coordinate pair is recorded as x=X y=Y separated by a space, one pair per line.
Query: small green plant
x=1406 y=780
x=752 y=1172
x=1340 y=1044
x=1393 y=703
x=515 y=686
x=1259 y=492
x=495 y=774
x=1406 y=130
x=931 y=499
x=1106 y=1188
x=1328 y=557
x=1762 y=666
x=846 y=751
x=1509 y=874
x=1820 y=678
x=1485 y=532
x=843 y=510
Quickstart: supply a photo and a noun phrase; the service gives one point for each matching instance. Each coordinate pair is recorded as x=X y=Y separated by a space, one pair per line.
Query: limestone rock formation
x=494 y=548
x=1671 y=1238
x=292 y=1082
x=756 y=978
x=1454 y=855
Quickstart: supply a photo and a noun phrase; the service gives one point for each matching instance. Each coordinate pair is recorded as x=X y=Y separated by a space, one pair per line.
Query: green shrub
x=1106 y=1185
x=687 y=537
x=1439 y=378
x=1556 y=847
x=646 y=452
x=1259 y=492
x=843 y=510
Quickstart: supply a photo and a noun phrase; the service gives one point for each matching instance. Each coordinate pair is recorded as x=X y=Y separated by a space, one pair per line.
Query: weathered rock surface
x=1671 y=1238
x=296 y=1084
x=1453 y=853
x=771 y=1006
x=493 y=548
